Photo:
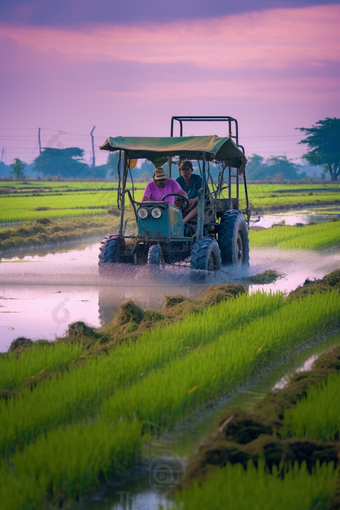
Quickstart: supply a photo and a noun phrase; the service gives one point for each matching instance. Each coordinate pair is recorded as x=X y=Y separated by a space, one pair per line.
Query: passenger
x=190 y=183
x=162 y=185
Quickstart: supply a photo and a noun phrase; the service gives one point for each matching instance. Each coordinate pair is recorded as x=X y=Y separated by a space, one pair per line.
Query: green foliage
x=5 y=170
x=112 y=163
x=274 y=167
x=18 y=169
x=67 y=163
x=317 y=416
x=238 y=489
x=311 y=237
x=323 y=145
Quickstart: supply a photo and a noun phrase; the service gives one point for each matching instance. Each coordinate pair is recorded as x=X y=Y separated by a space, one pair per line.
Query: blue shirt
x=195 y=184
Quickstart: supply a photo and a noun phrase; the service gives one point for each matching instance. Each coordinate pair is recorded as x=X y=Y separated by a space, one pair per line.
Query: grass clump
x=326 y=284
x=131 y=321
x=264 y=278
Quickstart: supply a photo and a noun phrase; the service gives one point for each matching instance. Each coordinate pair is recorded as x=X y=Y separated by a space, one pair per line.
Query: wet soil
x=54 y=233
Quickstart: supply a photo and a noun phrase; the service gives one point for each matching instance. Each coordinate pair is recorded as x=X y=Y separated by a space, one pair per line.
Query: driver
x=191 y=184
x=162 y=185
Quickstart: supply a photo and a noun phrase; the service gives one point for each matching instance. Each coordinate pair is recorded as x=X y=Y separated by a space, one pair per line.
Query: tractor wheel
x=233 y=239
x=154 y=255
x=205 y=255
x=109 y=252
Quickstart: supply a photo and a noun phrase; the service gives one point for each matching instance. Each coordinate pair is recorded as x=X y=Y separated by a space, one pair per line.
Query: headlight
x=156 y=212
x=143 y=213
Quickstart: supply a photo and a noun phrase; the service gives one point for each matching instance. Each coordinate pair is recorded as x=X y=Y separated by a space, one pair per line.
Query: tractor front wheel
x=205 y=255
x=110 y=252
x=154 y=255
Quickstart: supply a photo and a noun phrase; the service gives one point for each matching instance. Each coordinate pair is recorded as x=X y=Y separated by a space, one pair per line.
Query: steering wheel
x=179 y=197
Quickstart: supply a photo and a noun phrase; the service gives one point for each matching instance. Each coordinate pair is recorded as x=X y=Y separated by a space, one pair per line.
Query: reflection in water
x=44 y=311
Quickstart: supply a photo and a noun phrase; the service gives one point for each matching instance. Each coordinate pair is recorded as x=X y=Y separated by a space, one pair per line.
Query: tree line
x=323 y=150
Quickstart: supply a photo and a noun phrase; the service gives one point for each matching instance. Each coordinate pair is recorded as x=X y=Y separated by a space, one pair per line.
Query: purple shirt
x=156 y=194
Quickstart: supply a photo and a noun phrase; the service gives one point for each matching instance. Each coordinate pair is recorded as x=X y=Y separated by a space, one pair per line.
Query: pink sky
x=273 y=70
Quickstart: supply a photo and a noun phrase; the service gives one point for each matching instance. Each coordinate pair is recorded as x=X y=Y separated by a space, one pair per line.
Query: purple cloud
x=78 y=12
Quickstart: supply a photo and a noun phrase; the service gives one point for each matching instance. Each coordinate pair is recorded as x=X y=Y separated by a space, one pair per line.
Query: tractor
x=217 y=236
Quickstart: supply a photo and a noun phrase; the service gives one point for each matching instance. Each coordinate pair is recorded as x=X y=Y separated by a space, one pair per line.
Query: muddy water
x=317 y=214
x=163 y=459
x=41 y=294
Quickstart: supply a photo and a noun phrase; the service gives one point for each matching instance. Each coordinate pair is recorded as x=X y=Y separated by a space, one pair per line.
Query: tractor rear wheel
x=233 y=239
x=205 y=255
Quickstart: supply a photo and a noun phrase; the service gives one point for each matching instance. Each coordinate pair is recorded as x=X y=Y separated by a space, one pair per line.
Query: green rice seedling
x=88 y=198
x=255 y=488
x=317 y=416
x=21 y=493
x=269 y=195
x=67 y=463
x=35 y=361
x=17 y=208
x=168 y=394
x=289 y=201
x=79 y=393
x=65 y=186
x=311 y=237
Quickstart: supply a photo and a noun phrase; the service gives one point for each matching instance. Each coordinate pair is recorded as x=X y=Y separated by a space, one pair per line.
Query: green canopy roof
x=191 y=147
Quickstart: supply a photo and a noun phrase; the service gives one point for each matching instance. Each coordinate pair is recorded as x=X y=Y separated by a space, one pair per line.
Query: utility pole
x=39 y=140
x=2 y=153
x=93 y=160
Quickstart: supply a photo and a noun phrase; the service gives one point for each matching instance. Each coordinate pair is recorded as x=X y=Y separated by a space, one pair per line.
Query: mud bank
x=45 y=232
x=261 y=435
x=132 y=321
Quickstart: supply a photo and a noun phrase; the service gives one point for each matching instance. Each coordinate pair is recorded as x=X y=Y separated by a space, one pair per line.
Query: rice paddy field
x=80 y=415
x=309 y=237
x=86 y=421
x=22 y=201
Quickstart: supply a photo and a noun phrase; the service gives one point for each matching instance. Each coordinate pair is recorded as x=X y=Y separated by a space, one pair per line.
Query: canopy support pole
x=125 y=172
x=201 y=203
